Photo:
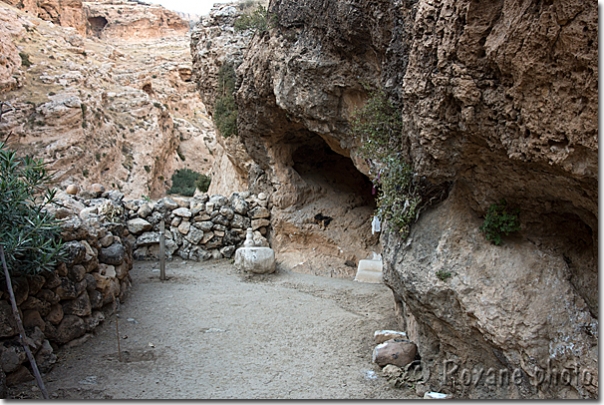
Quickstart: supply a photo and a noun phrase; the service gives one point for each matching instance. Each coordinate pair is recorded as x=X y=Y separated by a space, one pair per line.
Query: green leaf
x=29 y=235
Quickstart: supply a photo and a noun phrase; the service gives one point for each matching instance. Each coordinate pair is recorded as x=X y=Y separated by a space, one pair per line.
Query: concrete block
x=369 y=271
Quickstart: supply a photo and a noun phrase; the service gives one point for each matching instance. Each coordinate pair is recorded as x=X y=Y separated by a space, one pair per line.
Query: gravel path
x=211 y=332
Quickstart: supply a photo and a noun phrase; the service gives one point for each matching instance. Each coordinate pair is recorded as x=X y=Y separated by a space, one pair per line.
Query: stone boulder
x=255 y=260
x=398 y=352
x=113 y=254
x=45 y=357
x=8 y=325
x=74 y=252
x=70 y=328
x=138 y=225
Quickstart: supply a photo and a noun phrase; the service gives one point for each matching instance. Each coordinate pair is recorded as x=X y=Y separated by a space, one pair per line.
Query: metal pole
x=162 y=250
x=117 y=334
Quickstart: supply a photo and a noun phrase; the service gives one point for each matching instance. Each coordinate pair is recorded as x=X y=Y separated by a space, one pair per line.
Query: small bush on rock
x=443 y=275
x=500 y=220
x=203 y=183
x=378 y=126
x=258 y=20
x=225 y=109
x=30 y=236
x=185 y=181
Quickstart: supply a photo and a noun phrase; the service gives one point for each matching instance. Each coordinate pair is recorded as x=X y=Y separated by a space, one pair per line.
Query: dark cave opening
x=96 y=25
x=318 y=165
x=326 y=225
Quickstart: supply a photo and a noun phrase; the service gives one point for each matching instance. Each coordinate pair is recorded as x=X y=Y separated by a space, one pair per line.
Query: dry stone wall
x=103 y=234
x=65 y=306
x=199 y=228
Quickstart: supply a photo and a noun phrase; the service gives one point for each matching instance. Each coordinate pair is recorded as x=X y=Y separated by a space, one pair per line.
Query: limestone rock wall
x=10 y=74
x=123 y=19
x=127 y=20
x=65 y=306
x=66 y=13
x=498 y=100
x=215 y=43
x=306 y=173
x=124 y=114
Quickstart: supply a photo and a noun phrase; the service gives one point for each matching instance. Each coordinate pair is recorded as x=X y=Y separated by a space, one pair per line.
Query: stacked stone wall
x=66 y=305
x=103 y=234
x=197 y=228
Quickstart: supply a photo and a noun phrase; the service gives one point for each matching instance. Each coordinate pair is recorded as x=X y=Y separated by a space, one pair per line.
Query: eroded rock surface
x=104 y=110
x=281 y=151
x=498 y=100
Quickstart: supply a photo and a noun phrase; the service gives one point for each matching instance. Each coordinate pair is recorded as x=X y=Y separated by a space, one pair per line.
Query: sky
x=200 y=7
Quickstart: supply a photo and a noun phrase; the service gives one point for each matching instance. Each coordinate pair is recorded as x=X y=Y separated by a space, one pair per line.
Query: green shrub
x=500 y=220
x=259 y=20
x=225 y=109
x=25 y=59
x=378 y=126
x=443 y=275
x=31 y=242
x=203 y=183
x=185 y=181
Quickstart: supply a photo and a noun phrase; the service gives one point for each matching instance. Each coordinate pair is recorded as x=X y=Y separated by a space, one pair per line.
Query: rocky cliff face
x=498 y=100
x=215 y=43
x=124 y=113
x=125 y=19
x=130 y=20
x=311 y=172
x=66 y=13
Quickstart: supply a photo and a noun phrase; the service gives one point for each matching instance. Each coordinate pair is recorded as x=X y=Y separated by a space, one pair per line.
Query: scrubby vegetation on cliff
x=377 y=126
x=185 y=181
x=225 y=109
x=258 y=20
x=500 y=220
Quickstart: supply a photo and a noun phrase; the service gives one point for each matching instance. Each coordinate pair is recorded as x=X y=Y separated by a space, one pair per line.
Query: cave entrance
x=329 y=229
x=96 y=25
x=319 y=165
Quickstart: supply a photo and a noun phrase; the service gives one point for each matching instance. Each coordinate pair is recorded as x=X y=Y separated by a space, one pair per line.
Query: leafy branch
x=378 y=126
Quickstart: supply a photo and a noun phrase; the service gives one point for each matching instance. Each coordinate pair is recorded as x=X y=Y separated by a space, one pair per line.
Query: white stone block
x=255 y=259
x=369 y=271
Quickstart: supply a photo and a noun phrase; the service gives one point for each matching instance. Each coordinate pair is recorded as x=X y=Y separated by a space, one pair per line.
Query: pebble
x=90 y=380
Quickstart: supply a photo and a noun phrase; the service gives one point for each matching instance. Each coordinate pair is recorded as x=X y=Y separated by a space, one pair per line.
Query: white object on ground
x=380 y=336
x=436 y=395
x=369 y=271
x=255 y=259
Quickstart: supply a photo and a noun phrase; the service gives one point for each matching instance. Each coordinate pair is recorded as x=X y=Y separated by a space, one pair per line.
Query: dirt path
x=218 y=334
